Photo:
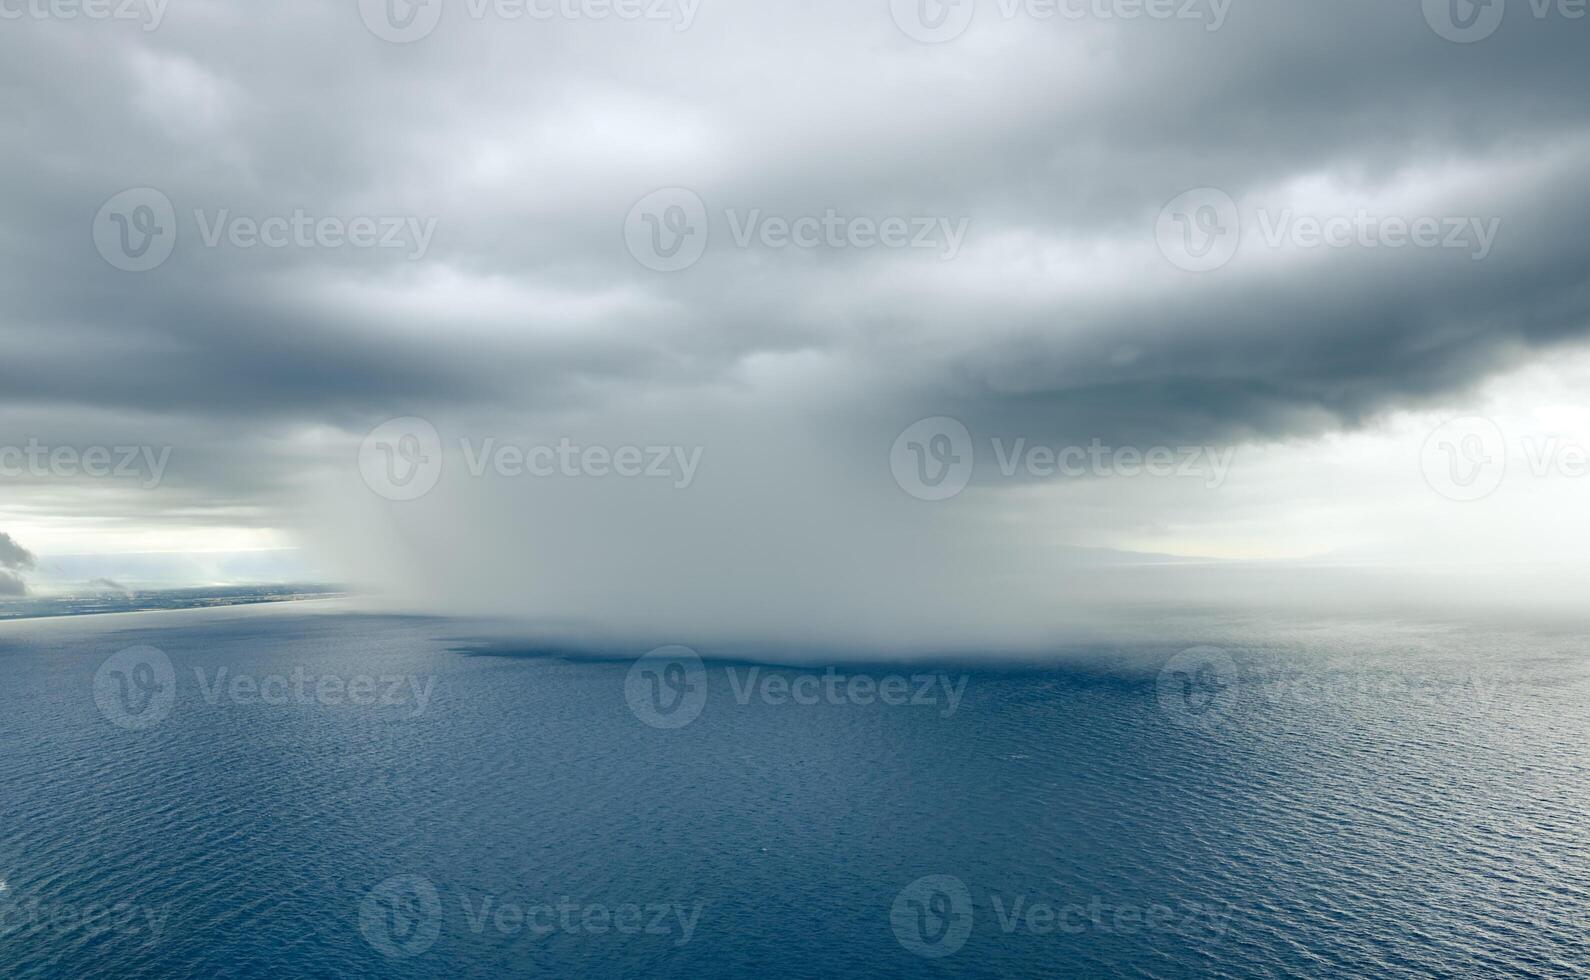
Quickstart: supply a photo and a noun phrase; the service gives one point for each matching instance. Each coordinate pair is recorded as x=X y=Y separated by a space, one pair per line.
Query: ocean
x=300 y=789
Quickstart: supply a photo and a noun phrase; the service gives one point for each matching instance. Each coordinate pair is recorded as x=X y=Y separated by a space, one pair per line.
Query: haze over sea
x=318 y=791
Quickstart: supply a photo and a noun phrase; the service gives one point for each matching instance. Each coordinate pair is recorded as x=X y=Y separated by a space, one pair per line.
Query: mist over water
x=797 y=528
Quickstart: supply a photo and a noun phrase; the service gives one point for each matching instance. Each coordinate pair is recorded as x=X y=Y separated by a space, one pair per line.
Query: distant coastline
x=146 y=600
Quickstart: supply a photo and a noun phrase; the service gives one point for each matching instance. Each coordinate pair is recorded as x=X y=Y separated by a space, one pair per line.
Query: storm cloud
x=14 y=559
x=1063 y=315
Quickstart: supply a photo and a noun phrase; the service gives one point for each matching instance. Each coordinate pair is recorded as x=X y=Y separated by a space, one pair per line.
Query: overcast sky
x=573 y=226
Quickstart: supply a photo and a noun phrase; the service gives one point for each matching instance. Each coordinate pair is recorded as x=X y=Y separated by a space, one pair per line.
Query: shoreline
x=214 y=602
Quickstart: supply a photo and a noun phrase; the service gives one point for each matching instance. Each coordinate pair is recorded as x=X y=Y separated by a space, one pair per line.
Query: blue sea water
x=1314 y=800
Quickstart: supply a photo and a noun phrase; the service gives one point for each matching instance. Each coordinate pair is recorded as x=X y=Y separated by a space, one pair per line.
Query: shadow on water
x=1094 y=666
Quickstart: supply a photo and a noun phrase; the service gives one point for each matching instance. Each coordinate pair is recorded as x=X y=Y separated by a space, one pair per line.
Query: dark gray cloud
x=528 y=141
x=1057 y=141
x=14 y=559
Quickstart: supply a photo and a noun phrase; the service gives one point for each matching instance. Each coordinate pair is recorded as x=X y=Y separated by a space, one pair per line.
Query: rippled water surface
x=1315 y=801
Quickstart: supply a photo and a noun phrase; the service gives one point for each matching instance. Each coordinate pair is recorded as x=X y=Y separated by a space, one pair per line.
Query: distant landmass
x=139 y=600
